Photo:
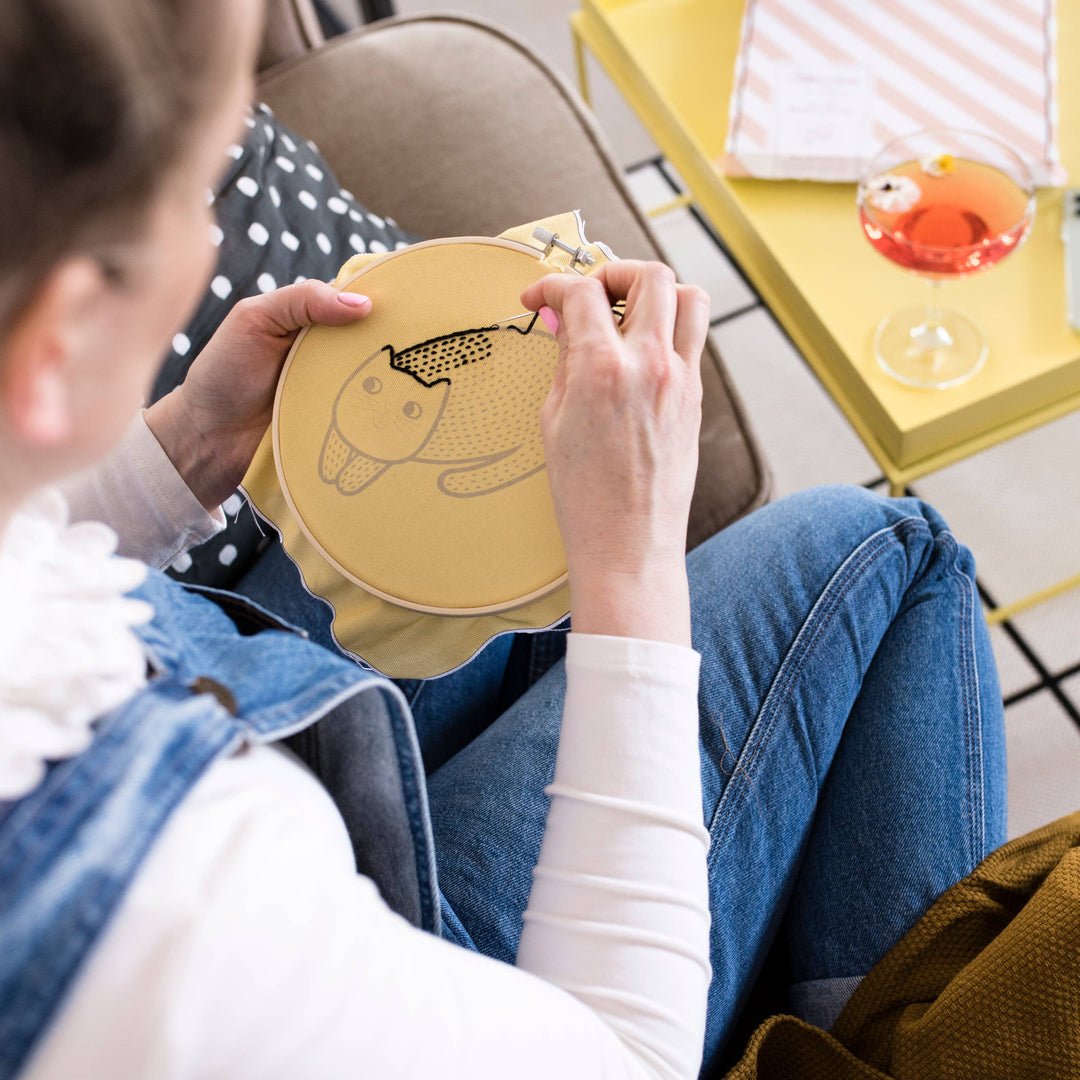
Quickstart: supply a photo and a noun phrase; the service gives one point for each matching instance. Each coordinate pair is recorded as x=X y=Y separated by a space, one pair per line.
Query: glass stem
x=933 y=307
x=931 y=335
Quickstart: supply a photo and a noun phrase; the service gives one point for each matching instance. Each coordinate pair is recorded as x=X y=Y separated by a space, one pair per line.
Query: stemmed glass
x=942 y=204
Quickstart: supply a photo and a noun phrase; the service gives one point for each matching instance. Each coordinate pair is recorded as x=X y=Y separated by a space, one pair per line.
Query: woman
x=179 y=898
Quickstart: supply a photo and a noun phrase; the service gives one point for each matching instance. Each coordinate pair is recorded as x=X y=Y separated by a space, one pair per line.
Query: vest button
x=205 y=685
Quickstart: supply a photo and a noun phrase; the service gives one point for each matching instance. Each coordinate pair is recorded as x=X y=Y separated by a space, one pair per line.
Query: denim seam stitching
x=976 y=807
x=414 y=786
x=820 y=615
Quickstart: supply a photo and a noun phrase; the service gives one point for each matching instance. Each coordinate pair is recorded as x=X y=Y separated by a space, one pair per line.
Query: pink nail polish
x=351 y=299
x=550 y=319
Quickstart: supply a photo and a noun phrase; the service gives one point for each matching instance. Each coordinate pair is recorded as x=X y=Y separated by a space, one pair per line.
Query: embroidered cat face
x=387 y=414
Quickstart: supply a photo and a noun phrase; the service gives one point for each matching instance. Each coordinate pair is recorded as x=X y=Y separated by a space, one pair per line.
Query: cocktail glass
x=942 y=204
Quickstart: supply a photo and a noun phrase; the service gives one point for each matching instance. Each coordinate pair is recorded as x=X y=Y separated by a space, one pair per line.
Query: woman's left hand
x=212 y=424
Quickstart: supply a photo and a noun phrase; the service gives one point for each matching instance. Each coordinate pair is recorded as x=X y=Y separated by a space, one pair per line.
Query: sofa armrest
x=455 y=128
x=291 y=28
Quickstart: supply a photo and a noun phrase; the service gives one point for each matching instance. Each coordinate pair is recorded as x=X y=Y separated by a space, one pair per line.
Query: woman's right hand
x=620 y=431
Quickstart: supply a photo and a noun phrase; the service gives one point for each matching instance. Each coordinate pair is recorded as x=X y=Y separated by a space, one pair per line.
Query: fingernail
x=549 y=318
x=351 y=299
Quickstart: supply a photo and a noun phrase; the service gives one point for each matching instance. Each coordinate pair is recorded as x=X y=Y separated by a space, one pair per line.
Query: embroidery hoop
x=301 y=364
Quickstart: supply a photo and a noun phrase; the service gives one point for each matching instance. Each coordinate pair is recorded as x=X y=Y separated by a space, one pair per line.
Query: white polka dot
x=232 y=504
x=401 y=244
x=235 y=152
x=181 y=344
x=390 y=221
x=263 y=107
x=284 y=163
x=299 y=279
x=313 y=146
x=247 y=186
x=376 y=221
x=268 y=131
x=287 y=143
x=209 y=197
x=308 y=199
x=221 y=286
x=216 y=235
x=324 y=243
x=182 y=563
x=357 y=243
x=249 y=120
x=227 y=555
x=376 y=245
x=339 y=206
x=289 y=240
x=346 y=194
x=266 y=283
x=313 y=171
x=356 y=215
x=275 y=195
x=258 y=233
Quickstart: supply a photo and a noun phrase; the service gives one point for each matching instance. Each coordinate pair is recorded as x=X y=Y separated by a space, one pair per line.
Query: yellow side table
x=799 y=243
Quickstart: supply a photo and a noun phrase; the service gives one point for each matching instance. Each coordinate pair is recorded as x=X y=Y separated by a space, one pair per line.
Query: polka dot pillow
x=281 y=218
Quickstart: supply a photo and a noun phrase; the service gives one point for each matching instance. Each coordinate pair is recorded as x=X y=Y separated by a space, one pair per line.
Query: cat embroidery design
x=470 y=400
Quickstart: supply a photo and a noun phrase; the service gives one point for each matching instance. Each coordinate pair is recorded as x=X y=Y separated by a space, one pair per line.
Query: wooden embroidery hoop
x=303 y=514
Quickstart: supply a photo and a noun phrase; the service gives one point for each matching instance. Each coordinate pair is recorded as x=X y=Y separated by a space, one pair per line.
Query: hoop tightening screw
x=550 y=240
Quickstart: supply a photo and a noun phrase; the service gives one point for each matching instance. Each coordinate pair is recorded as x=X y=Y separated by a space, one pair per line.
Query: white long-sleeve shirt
x=248 y=947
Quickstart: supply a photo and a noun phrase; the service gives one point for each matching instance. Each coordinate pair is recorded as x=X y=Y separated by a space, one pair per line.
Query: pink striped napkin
x=820 y=85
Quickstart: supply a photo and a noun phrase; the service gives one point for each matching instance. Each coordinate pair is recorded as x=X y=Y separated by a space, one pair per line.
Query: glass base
x=929 y=352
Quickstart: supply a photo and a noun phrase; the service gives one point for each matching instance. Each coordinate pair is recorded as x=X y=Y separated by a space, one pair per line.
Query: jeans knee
x=856 y=509
x=822 y=523
x=860 y=513
x=845 y=515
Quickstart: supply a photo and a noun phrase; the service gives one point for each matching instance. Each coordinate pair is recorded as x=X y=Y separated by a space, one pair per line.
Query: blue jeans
x=852 y=749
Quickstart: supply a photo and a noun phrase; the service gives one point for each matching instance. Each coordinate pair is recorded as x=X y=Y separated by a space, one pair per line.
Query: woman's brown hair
x=97 y=100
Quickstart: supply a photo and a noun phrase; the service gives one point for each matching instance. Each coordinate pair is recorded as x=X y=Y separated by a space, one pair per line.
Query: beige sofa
x=453 y=127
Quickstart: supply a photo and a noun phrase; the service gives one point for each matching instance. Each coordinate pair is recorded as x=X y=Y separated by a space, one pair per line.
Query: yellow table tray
x=800 y=244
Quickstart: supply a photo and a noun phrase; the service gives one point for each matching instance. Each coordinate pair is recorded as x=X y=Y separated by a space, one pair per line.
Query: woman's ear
x=48 y=341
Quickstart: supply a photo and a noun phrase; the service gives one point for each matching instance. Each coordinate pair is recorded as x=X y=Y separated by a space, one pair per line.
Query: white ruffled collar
x=67 y=651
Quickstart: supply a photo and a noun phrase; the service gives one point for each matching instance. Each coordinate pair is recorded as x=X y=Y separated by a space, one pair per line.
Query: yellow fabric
x=427 y=526
x=986 y=986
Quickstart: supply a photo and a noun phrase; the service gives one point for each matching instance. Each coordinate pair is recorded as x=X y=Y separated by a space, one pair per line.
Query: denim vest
x=225 y=673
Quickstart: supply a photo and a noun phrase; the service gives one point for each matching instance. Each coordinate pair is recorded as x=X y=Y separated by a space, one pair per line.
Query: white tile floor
x=1016 y=506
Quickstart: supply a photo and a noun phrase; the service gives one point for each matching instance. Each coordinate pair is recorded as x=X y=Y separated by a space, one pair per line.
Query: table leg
x=582 y=68
x=685 y=199
x=1000 y=614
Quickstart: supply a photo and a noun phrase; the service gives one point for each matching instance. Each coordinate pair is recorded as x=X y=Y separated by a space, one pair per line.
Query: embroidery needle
x=618 y=310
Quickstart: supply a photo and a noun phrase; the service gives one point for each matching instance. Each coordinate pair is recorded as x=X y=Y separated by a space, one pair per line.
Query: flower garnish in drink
x=945 y=215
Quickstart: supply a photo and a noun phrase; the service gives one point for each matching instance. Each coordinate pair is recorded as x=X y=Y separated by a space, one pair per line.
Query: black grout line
x=744 y=310
x=1047 y=681
x=704 y=222
x=672 y=182
x=1066 y=703
x=645 y=163
x=1068 y=673
x=1022 y=695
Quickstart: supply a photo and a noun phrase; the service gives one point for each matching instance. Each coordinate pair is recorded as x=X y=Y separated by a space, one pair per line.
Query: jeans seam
x=969 y=681
x=419 y=818
x=824 y=608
